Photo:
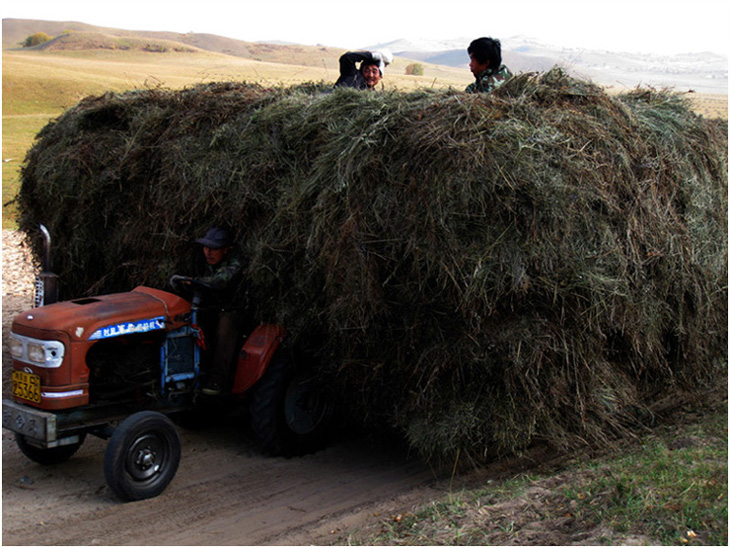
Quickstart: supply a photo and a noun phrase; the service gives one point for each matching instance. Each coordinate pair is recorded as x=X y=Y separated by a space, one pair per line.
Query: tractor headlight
x=15 y=346
x=36 y=351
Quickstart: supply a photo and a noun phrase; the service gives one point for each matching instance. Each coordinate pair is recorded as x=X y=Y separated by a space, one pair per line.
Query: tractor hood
x=140 y=310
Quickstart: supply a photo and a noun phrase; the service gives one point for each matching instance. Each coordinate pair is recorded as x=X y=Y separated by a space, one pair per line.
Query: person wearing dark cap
x=370 y=72
x=485 y=63
x=220 y=317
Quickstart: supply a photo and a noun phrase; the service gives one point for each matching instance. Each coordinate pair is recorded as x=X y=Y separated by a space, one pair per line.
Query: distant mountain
x=707 y=72
x=516 y=61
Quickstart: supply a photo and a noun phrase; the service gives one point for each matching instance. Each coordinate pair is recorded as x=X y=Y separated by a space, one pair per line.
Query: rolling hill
x=313 y=63
x=69 y=34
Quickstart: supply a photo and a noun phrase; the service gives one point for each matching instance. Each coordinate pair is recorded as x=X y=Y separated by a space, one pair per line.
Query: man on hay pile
x=372 y=65
x=485 y=63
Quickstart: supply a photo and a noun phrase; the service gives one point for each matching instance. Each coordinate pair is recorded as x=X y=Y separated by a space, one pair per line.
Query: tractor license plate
x=26 y=386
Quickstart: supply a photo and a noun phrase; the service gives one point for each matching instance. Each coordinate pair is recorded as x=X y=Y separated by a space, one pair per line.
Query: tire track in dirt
x=224 y=493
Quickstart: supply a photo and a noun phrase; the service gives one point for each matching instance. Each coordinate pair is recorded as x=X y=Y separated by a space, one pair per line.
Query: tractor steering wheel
x=178 y=283
x=198 y=288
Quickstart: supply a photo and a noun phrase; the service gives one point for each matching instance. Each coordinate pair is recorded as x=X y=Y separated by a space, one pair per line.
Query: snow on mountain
x=704 y=72
x=423 y=45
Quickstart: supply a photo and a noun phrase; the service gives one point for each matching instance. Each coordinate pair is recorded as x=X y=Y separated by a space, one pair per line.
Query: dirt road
x=225 y=493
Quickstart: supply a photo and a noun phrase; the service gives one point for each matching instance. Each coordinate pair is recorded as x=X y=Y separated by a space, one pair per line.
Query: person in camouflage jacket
x=485 y=63
x=220 y=319
x=222 y=267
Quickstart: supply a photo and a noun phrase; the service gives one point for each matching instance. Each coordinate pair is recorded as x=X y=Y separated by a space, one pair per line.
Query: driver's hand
x=178 y=281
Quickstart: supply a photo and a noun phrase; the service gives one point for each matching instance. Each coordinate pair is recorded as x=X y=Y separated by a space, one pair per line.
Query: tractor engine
x=126 y=367
x=73 y=353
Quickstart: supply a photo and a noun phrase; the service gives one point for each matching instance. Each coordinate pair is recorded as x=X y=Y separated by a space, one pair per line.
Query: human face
x=372 y=76
x=214 y=256
x=475 y=66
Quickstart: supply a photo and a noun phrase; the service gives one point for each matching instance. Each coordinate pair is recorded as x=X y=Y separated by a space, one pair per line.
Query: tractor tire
x=142 y=456
x=49 y=455
x=288 y=415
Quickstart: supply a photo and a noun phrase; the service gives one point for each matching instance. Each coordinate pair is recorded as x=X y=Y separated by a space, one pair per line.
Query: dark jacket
x=224 y=279
x=350 y=75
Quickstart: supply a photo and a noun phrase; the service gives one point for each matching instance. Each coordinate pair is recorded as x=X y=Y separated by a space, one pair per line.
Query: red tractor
x=118 y=366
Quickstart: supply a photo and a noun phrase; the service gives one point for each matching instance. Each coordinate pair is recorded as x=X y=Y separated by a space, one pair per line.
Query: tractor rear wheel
x=142 y=456
x=289 y=415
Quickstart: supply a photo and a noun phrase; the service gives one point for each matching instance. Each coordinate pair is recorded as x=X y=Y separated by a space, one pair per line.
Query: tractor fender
x=256 y=354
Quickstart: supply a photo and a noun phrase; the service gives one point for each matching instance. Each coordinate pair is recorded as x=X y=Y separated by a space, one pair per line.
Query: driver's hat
x=215 y=238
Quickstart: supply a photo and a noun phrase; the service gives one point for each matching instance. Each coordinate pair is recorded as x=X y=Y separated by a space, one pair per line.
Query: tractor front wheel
x=142 y=456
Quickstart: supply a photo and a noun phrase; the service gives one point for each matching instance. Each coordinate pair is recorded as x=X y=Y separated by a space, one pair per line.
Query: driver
x=219 y=321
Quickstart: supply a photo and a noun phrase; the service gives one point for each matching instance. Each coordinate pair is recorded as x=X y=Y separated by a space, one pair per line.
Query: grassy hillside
x=15 y=31
x=72 y=36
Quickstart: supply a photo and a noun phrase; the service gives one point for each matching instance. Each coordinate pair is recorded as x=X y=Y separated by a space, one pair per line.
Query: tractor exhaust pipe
x=46 y=284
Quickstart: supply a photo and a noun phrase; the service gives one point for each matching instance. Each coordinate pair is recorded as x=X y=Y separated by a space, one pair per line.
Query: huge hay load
x=477 y=271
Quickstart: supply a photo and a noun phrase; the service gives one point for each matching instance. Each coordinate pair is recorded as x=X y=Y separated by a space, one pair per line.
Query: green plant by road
x=667 y=488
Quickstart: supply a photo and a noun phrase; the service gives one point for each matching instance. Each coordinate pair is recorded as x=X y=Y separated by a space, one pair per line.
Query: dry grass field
x=710 y=106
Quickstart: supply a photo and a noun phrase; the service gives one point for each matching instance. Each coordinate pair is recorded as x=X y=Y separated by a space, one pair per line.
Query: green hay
x=477 y=271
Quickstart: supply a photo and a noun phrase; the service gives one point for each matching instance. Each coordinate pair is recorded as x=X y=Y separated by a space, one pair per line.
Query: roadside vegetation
x=668 y=487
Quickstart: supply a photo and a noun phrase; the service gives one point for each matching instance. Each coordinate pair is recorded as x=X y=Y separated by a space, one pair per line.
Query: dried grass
x=479 y=272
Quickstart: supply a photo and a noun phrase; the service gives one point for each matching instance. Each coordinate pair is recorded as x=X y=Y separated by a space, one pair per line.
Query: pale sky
x=637 y=26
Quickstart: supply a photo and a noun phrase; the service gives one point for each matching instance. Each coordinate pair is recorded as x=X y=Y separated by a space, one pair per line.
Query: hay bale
x=478 y=271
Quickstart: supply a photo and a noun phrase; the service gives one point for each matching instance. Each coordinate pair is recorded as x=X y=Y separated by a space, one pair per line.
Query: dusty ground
x=226 y=493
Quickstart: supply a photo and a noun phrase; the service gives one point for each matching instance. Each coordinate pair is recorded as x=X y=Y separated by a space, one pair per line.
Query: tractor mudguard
x=256 y=355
